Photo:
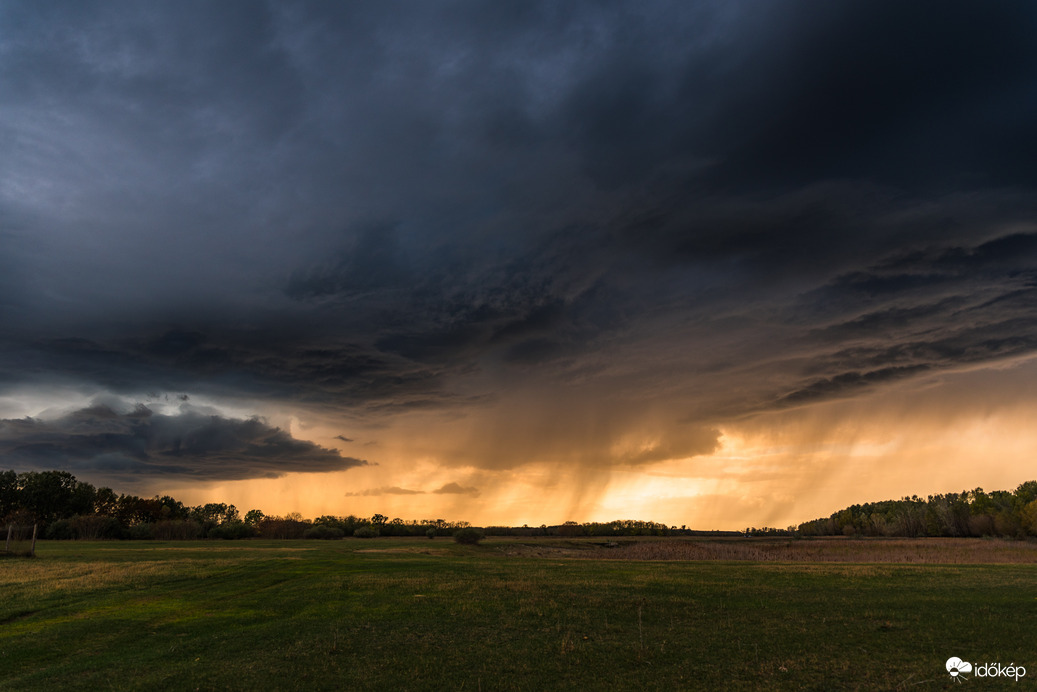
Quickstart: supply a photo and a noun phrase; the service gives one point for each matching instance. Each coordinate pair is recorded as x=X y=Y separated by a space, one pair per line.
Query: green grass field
x=408 y=614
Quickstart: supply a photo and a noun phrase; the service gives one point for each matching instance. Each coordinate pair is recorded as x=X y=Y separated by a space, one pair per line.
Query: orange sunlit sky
x=953 y=432
x=714 y=264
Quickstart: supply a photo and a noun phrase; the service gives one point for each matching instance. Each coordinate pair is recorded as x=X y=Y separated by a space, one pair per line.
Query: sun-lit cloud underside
x=960 y=431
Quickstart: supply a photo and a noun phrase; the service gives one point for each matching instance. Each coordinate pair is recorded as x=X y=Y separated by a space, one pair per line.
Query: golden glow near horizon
x=956 y=432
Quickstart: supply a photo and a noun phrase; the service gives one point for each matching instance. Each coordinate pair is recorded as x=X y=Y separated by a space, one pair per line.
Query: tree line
x=968 y=513
x=64 y=507
x=617 y=527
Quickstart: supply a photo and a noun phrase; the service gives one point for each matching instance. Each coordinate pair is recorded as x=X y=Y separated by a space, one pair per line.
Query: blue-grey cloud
x=100 y=441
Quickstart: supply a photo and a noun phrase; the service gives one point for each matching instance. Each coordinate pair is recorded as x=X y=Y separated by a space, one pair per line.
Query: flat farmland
x=516 y=614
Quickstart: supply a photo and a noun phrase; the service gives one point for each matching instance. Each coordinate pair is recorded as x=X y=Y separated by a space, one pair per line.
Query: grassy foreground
x=408 y=614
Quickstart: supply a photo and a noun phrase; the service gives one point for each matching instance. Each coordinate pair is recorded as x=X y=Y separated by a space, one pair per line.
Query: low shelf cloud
x=100 y=441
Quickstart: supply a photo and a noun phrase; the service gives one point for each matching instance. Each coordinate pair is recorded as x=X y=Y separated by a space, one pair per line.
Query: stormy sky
x=707 y=263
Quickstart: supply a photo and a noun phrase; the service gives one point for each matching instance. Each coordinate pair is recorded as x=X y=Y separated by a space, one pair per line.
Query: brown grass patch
x=414 y=551
x=880 y=550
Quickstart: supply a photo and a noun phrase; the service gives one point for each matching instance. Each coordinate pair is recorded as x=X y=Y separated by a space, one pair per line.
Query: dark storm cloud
x=846 y=383
x=381 y=207
x=100 y=440
x=886 y=91
x=248 y=363
x=931 y=309
x=374 y=262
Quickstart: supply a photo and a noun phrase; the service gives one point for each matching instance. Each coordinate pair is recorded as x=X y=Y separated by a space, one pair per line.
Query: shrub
x=61 y=530
x=93 y=527
x=177 y=530
x=469 y=535
x=431 y=533
x=321 y=531
x=366 y=532
x=282 y=527
x=140 y=532
x=231 y=530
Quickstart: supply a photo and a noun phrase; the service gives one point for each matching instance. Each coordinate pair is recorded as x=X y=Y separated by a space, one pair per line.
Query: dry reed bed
x=918 y=551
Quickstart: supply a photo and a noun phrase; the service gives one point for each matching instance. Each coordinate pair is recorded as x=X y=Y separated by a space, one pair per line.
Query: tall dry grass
x=899 y=550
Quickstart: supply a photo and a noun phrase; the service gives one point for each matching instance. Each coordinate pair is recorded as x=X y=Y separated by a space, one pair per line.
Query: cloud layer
x=588 y=234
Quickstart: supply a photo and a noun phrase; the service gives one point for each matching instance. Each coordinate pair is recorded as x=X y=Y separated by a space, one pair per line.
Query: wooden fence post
x=7 y=548
x=32 y=550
